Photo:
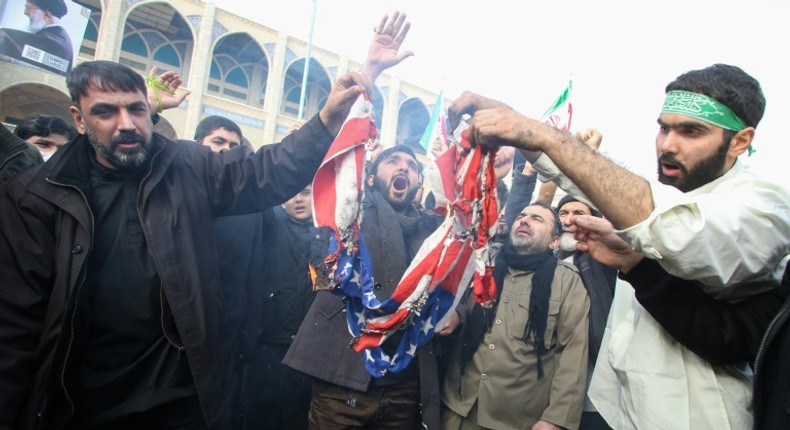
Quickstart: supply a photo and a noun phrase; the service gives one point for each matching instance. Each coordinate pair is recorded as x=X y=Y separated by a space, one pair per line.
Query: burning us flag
x=452 y=258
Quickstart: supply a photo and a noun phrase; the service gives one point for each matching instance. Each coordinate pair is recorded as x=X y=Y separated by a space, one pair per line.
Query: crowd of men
x=157 y=284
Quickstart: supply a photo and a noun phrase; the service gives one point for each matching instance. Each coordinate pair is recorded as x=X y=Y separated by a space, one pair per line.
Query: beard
x=383 y=187
x=567 y=242
x=36 y=22
x=123 y=160
x=527 y=245
x=707 y=170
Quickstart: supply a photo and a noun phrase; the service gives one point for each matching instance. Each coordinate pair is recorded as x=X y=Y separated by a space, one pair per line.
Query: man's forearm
x=622 y=196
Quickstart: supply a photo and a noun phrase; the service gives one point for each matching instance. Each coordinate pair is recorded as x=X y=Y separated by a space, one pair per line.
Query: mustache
x=127 y=137
x=524 y=229
x=670 y=159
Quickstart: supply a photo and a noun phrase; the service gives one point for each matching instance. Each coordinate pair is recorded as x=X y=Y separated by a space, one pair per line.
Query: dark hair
x=728 y=85
x=213 y=122
x=374 y=167
x=569 y=198
x=556 y=228
x=104 y=76
x=44 y=125
x=57 y=8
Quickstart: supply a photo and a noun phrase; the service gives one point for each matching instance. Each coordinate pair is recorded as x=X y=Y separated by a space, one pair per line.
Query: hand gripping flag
x=455 y=255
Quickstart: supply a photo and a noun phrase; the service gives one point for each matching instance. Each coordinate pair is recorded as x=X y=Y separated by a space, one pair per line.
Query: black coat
x=46 y=235
x=771 y=401
x=16 y=155
x=264 y=272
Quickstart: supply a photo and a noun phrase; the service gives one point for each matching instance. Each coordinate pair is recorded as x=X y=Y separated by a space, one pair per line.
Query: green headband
x=703 y=108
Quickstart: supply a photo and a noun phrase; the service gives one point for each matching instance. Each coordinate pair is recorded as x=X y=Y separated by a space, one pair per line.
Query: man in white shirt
x=706 y=219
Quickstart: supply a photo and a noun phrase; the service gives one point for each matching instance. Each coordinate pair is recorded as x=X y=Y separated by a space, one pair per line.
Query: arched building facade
x=232 y=67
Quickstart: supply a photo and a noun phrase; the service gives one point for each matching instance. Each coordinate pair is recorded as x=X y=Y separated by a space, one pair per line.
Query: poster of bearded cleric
x=42 y=33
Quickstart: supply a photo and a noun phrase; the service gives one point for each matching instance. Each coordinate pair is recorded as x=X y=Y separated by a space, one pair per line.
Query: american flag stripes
x=449 y=260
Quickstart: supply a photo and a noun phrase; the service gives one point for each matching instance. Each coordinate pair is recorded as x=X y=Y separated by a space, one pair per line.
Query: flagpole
x=307 y=62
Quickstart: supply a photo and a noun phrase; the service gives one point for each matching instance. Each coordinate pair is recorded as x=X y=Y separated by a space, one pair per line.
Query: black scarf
x=392 y=240
x=544 y=265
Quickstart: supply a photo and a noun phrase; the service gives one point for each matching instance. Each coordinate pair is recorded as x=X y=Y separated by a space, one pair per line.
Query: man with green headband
x=707 y=218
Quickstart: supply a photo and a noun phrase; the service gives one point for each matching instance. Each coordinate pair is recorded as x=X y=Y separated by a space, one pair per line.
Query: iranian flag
x=437 y=127
x=560 y=113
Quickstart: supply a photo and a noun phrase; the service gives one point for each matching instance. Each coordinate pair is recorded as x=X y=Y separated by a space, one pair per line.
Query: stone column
x=389 y=121
x=110 y=36
x=199 y=69
x=274 y=88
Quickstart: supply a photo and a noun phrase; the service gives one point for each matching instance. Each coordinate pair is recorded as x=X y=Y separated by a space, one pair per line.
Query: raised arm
x=521 y=191
x=384 y=50
x=622 y=196
x=163 y=90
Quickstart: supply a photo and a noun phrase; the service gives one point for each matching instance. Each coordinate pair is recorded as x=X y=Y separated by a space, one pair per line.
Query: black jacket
x=16 y=155
x=264 y=272
x=46 y=236
x=771 y=401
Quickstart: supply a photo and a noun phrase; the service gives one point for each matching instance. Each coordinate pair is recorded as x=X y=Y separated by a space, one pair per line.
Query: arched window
x=214 y=73
x=155 y=34
x=167 y=55
x=88 y=45
x=239 y=69
x=134 y=44
x=236 y=84
x=292 y=100
x=91 y=32
x=238 y=77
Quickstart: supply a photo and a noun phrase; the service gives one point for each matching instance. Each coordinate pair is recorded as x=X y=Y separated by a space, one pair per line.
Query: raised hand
x=591 y=137
x=384 y=50
x=161 y=92
x=342 y=96
x=502 y=126
x=468 y=103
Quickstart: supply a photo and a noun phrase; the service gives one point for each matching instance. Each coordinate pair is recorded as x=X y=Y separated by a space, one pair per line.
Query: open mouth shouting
x=670 y=167
x=400 y=185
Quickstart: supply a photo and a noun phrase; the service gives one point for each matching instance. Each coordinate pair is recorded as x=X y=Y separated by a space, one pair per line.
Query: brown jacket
x=502 y=377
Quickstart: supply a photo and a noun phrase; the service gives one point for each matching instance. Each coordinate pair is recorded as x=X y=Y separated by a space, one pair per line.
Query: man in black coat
x=264 y=264
x=47 y=44
x=111 y=313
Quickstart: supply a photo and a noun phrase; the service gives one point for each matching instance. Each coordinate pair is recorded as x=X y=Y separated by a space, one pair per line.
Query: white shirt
x=734 y=230
x=732 y=235
x=644 y=379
